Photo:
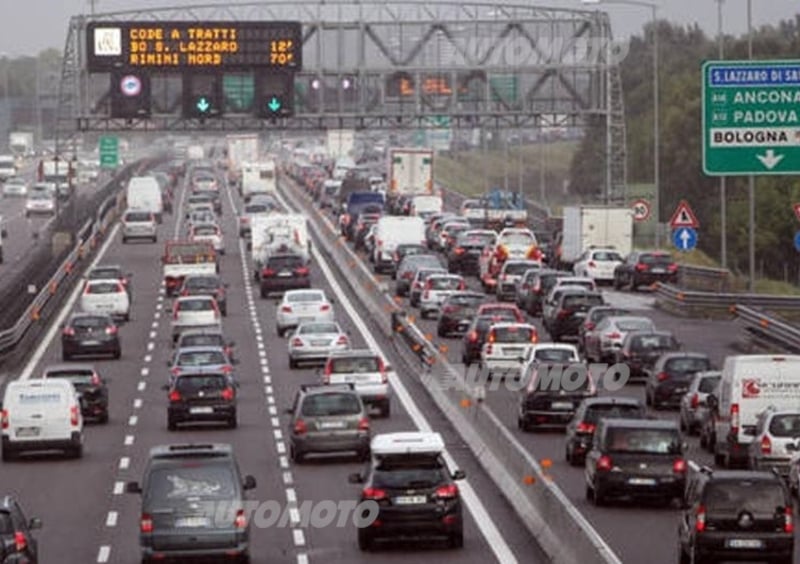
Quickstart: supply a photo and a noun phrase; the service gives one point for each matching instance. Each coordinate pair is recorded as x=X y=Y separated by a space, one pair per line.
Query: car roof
x=406 y=443
x=92 y=281
x=507 y=324
x=315 y=389
x=643 y=423
x=202 y=331
x=195 y=297
x=354 y=353
x=106 y=267
x=618 y=318
x=199 y=348
x=608 y=400
x=741 y=475
x=557 y=346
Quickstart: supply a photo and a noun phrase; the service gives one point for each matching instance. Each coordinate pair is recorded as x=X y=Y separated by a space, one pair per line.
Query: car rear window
x=90 y=322
x=357 y=365
x=318 y=328
x=513 y=334
x=518 y=239
x=518 y=268
x=103 y=288
x=709 y=384
x=204 y=282
x=195 y=305
x=202 y=340
x=301 y=297
x=547 y=281
x=197 y=382
x=475 y=240
x=201 y=358
x=138 y=216
x=104 y=273
x=192 y=479
x=655 y=259
x=414 y=474
x=644 y=441
x=735 y=496
x=597 y=412
x=687 y=365
x=785 y=425
x=653 y=342
x=278 y=263
x=465 y=301
x=206 y=230
x=256 y=208
x=584 y=301
x=76 y=376
x=600 y=314
x=331 y=404
x=441 y=283
x=606 y=256
x=554 y=355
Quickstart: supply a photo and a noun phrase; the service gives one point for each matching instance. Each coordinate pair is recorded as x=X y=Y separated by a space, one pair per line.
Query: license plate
x=192 y=522
x=513 y=351
x=744 y=543
x=642 y=482
x=658 y=271
x=284 y=274
x=681 y=390
x=321 y=343
x=580 y=314
x=561 y=405
x=201 y=410
x=91 y=343
x=410 y=500
x=332 y=425
x=28 y=431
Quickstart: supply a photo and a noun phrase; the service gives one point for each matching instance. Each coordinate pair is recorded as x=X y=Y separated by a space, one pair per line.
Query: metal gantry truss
x=389 y=65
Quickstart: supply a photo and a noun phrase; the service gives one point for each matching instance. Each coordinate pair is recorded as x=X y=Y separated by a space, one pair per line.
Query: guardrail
x=704 y=278
x=766 y=332
x=689 y=303
x=560 y=529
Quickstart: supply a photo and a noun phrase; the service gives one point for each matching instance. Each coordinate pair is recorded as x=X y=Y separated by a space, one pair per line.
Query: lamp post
x=656 y=105
x=723 y=196
x=751 y=185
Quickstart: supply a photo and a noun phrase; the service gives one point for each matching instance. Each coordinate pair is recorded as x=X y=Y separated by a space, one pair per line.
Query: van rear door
x=39 y=411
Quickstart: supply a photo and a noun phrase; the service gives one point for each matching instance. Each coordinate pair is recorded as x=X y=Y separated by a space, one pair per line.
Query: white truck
x=287 y=233
x=242 y=148
x=21 y=144
x=187 y=258
x=57 y=172
x=8 y=167
x=258 y=178
x=595 y=226
x=409 y=171
x=195 y=152
x=340 y=143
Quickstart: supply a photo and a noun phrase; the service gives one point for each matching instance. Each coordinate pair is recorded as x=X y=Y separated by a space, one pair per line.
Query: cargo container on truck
x=242 y=148
x=258 y=178
x=595 y=226
x=20 y=143
x=340 y=143
x=409 y=172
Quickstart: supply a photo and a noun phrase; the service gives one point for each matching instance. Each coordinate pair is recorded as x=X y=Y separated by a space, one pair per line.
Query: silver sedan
x=314 y=341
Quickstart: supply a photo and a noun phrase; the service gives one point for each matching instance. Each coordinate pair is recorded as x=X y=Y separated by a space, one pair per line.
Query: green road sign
x=751 y=117
x=109 y=151
x=504 y=88
x=239 y=92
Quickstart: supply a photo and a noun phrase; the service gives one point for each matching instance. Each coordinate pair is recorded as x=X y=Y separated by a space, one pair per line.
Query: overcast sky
x=33 y=25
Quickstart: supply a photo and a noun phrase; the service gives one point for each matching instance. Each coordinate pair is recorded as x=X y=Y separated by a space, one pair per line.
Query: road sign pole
x=752 y=180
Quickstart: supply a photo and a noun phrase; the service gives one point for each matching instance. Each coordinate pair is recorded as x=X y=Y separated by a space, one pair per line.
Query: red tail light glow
x=472 y=337
x=113 y=330
x=374 y=494
x=300 y=427
x=588 y=326
x=302 y=271
x=20 y=542
x=591 y=264
x=228 y=394
x=4 y=419
x=174 y=396
x=662 y=376
x=227 y=369
x=641 y=267
x=604 y=464
x=584 y=427
x=672 y=267
x=766 y=445
x=695 y=403
x=96 y=379
x=267 y=272
x=241 y=521
x=286 y=309
x=146 y=523
x=363 y=424
x=325 y=307
x=734 y=414
x=343 y=340
x=788 y=520
x=68 y=331
x=700 y=519
x=74 y=416
x=679 y=466
x=614 y=335
x=449 y=491
x=459 y=250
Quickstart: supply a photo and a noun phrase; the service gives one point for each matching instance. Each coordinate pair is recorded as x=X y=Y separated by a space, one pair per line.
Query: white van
x=342 y=166
x=258 y=178
x=42 y=415
x=392 y=231
x=144 y=194
x=425 y=206
x=750 y=384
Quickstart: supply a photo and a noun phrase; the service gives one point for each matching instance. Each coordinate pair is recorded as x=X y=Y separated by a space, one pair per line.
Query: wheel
x=597 y=497
x=7 y=454
x=440 y=331
x=522 y=426
x=155 y=239
x=568 y=454
x=456 y=539
x=264 y=293
x=364 y=540
x=103 y=419
x=172 y=425
x=684 y=558
x=279 y=331
x=648 y=400
x=224 y=311
x=297 y=457
x=386 y=409
x=117 y=354
x=124 y=240
x=292 y=363
x=719 y=458
x=682 y=424
x=364 y=455
x=75 y=451
x=244 y=558
x=233 y=422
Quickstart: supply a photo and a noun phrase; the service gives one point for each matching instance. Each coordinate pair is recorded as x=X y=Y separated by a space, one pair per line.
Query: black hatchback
x=90 y=334
x=17 y=543
x=580 y=430
x=641 y=349
x=457 y=311
x=91 y=387
x=671 y=376
x=201 y=397
x=284 y=272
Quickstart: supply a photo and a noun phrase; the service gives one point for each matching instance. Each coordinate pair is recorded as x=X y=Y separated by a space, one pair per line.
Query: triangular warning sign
x=684 y=217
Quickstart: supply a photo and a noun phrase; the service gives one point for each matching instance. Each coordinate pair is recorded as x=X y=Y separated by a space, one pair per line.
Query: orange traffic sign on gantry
x=684 y=217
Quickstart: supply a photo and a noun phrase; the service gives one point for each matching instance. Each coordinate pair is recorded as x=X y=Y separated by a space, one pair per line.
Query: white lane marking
x=145 y=371
x=278 y=435
x=111 y=519
x=128 y=440
x=302 y=558
x=103 y=554
x=155 y=326
x=281 y=447
x=483 y=520
x=268 y=390
x=124 y=463
x=119 y=488
x=276 y=422
x=273 y=410
x=45 y=343
x=133 y=420
x=157 y=315
x=294 y=516
x=291 y=495
x=142 y=385
x=148 y=358
x=288 y=479
x=137 y=403
x=271 y=400
x=299 y=537
x=151 y=346
x=267 y=379
x=283 y=461
x=153 y=334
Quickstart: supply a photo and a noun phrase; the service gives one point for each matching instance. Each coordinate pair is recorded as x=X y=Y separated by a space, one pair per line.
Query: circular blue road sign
x=797 y=241
x=130 y=85
x=684 y=239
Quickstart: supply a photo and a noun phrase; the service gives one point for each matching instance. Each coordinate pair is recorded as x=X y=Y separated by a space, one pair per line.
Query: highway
x=635 y=533
x=87 y=517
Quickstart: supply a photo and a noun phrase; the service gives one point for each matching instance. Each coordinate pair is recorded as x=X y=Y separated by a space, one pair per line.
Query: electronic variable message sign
x=184 y=46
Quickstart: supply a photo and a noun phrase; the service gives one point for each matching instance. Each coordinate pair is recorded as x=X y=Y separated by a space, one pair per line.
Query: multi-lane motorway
x=87 y=517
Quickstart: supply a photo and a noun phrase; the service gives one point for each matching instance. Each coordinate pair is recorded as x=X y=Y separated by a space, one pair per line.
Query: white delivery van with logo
x=144 y=194
x=750 y=384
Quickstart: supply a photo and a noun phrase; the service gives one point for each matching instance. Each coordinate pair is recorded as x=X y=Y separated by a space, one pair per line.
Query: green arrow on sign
x=203 y=105
x=274 y=104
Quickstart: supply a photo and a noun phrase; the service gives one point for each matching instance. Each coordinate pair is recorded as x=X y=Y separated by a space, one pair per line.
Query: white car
x=606 y=339
x=139 y=225
x=437 y=288
x=15 y=187
x=41 y=414
x=107 y=296
x=194 y=312
x=315 y=341
x=517 y=243
x=366 y=371
x=302 y=306
x=598 y=264
x=40 y=202
x=209 y=232
x=507 y=348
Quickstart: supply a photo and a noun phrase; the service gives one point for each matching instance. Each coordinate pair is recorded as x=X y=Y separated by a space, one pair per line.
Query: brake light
x=641 y=267
x=489 y=349
x=700 y=519
x=120 y=288
x=373 y=493
x=300 y=427
x=342 y=340
x=672 y=267
x=174 y=396
x=241 y=521
x=734 y=413
x=227 y=369
x=662 y=376
x=766 y=445
x=603 y=464
x=73 y=415
x=459 y=250
x=563 y=314
x=591 y=264
x=302 y=271
x=473 y=337
x=426 y=295
x=788 y=520
x=534 y=336
x=363 y=424
x=449 y=309
x=695 y=401
x=228 y=394
x=584 y=427
x=679 y=466
x=325 y=307
x=326 y=375
x=491 y=338
x=96 y=379
x=449 y=491
x=146 y=523
x=68 y=331
x=613 y=335
x=20 y=542
x=113 y=330
x=286 y=309
x=4 y=419
x=267 y=272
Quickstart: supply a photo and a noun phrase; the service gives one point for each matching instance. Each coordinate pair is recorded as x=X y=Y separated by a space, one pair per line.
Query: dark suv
x=635 y=458
x=415 y=492
x=645 y=268
x=671 y=376
x=201 y=396
x=89 y=385
x=641 y=349
x=580 y=429
x=17 y=543
x=736 y=515
x=284 y=272
x=570 y=312
x=193 y=504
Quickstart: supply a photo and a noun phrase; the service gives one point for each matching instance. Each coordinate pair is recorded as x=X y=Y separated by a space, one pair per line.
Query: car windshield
x=606 y=256
x=634 y=324
x=475 y=239
x=132 y=217
x=513 y=334
x=331 y=404
x=201 y=282
x=86 y=322
x=737 y=496
x=645 y=441
x=554 y=355
x=279 y=263
x=688 y=364
x=201 y=358
x=355 y=365
x=653 y=342
x=787 y=425
x=191 y=479
x=202 y=340
x=304 y=297
x=195 y=305
x=318 y=328
x=518 y=239
x=518 y=268
x=708 y=384
x=417 y=472
x=584 y=301
x=611 y=411
x=410 y=250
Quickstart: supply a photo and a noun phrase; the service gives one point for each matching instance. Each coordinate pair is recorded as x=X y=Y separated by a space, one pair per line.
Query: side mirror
x=226 y=285
x=459 y=475
x=249 y=483
x=133 y=488
x=332 y=301
x=355 y=478
x=35 y=523
x=129 y=275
